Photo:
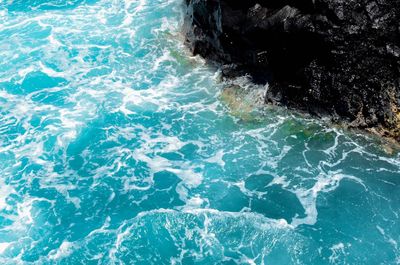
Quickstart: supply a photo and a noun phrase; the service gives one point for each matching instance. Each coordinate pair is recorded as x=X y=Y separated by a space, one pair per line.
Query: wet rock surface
x=328 y=57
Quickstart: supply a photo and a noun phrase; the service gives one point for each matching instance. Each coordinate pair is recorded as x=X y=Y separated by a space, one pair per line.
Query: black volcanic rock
x=336 y=57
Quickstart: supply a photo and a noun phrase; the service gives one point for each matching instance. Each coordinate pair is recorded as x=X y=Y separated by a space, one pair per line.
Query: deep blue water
x=117 y=147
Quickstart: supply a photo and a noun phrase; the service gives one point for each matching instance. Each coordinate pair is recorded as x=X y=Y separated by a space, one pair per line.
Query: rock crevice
x=335 y=57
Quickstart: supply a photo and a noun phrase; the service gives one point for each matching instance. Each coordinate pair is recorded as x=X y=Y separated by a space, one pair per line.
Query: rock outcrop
x=335 y=57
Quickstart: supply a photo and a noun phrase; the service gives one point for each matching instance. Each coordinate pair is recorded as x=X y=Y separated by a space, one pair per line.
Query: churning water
x=117 y=147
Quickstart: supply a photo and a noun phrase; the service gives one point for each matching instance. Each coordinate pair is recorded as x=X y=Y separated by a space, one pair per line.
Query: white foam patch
x=338 y=250
x=65 y=249
x=150 y=99
x=308 y=197
x=50 y=72
x=5 y=191
x=217 y=158
x=4 y=246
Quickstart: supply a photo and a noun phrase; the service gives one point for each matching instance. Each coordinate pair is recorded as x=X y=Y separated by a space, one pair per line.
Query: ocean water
x=118 y=147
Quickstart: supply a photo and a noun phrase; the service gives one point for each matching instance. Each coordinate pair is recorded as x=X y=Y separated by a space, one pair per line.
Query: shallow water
x=117 y=147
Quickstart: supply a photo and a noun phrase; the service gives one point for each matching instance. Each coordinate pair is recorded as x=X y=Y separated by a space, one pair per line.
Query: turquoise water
x=117 y=147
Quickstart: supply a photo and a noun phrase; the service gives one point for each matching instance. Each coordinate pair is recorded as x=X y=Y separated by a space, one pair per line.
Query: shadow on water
x=30 y=5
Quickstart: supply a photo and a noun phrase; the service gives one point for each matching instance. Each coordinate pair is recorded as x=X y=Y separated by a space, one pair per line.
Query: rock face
x=335 y=57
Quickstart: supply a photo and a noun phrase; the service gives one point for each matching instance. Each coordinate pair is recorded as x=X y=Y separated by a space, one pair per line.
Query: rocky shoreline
x=327 y=57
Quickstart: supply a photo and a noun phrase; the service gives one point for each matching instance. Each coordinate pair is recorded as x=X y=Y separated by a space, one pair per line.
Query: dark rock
x=334 y=57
